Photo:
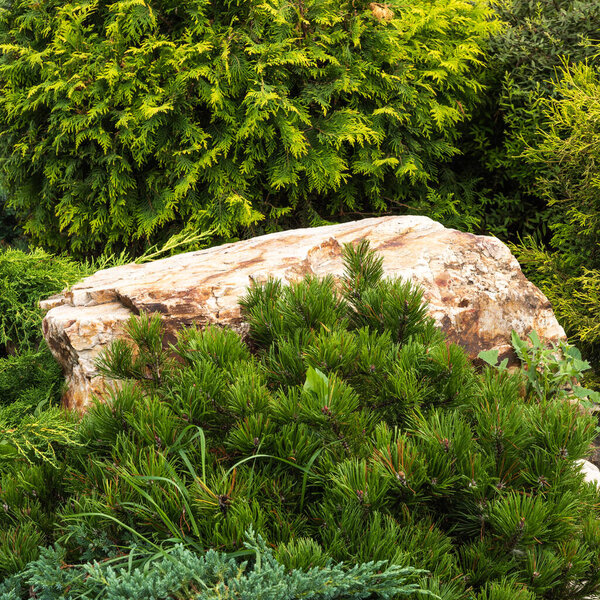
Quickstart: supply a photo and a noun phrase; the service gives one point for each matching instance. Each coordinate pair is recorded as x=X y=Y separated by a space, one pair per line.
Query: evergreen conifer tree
x=125 y=122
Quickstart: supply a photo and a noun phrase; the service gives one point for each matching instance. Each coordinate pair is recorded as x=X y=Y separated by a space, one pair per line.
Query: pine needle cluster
x=345 y=429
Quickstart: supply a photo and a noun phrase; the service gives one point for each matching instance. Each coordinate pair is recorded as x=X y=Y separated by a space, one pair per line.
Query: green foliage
x=33 y=435
x=568 y=147
x=30 y=429
x=572 y=292
x=523 y=58
x=30 y=496
x=181 y=574
x=9 y=230
x=36 y=436
x=25 y=279
x=126 y=122
x=18 y=546
x=568 y=151
x=548 y=375
x=346 y=430
x=537 y=39
x=535 y=150
x=28 y=380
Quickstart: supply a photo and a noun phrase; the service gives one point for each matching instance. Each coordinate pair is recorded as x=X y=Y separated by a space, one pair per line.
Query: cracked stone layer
x=474 y=286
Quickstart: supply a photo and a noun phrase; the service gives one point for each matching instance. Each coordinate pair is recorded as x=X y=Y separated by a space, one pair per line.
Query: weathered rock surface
x=475 y=289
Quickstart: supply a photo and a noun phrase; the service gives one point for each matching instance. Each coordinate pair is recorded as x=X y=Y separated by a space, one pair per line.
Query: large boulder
x=475 y=289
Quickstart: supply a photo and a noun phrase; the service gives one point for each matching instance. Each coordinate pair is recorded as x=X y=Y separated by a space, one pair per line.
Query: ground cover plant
x=126 y=122
x=180 y=573
x=345 y=429
x=30 y=379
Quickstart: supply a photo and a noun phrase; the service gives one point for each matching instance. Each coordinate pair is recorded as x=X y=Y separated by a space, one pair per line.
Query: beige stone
x=591 y=473
x=475 y=289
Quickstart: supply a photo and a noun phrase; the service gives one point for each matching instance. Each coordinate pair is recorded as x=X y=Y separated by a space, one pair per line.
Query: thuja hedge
x=345 y=428
x=125 y=121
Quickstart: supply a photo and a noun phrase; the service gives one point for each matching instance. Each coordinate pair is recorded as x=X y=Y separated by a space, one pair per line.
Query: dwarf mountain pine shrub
x=125 y=122
x=345 y=428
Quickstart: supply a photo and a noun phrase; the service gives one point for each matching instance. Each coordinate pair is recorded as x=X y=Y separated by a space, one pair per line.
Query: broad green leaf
x=489 y=356
x=315 y=380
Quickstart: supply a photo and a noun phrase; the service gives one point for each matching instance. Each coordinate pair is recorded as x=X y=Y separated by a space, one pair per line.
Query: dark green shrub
x=538 y=37
x=347 y=430
x=350 y=432
x=28 y=380
x=30 y=497
x=523 y=59
x=124 y=122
